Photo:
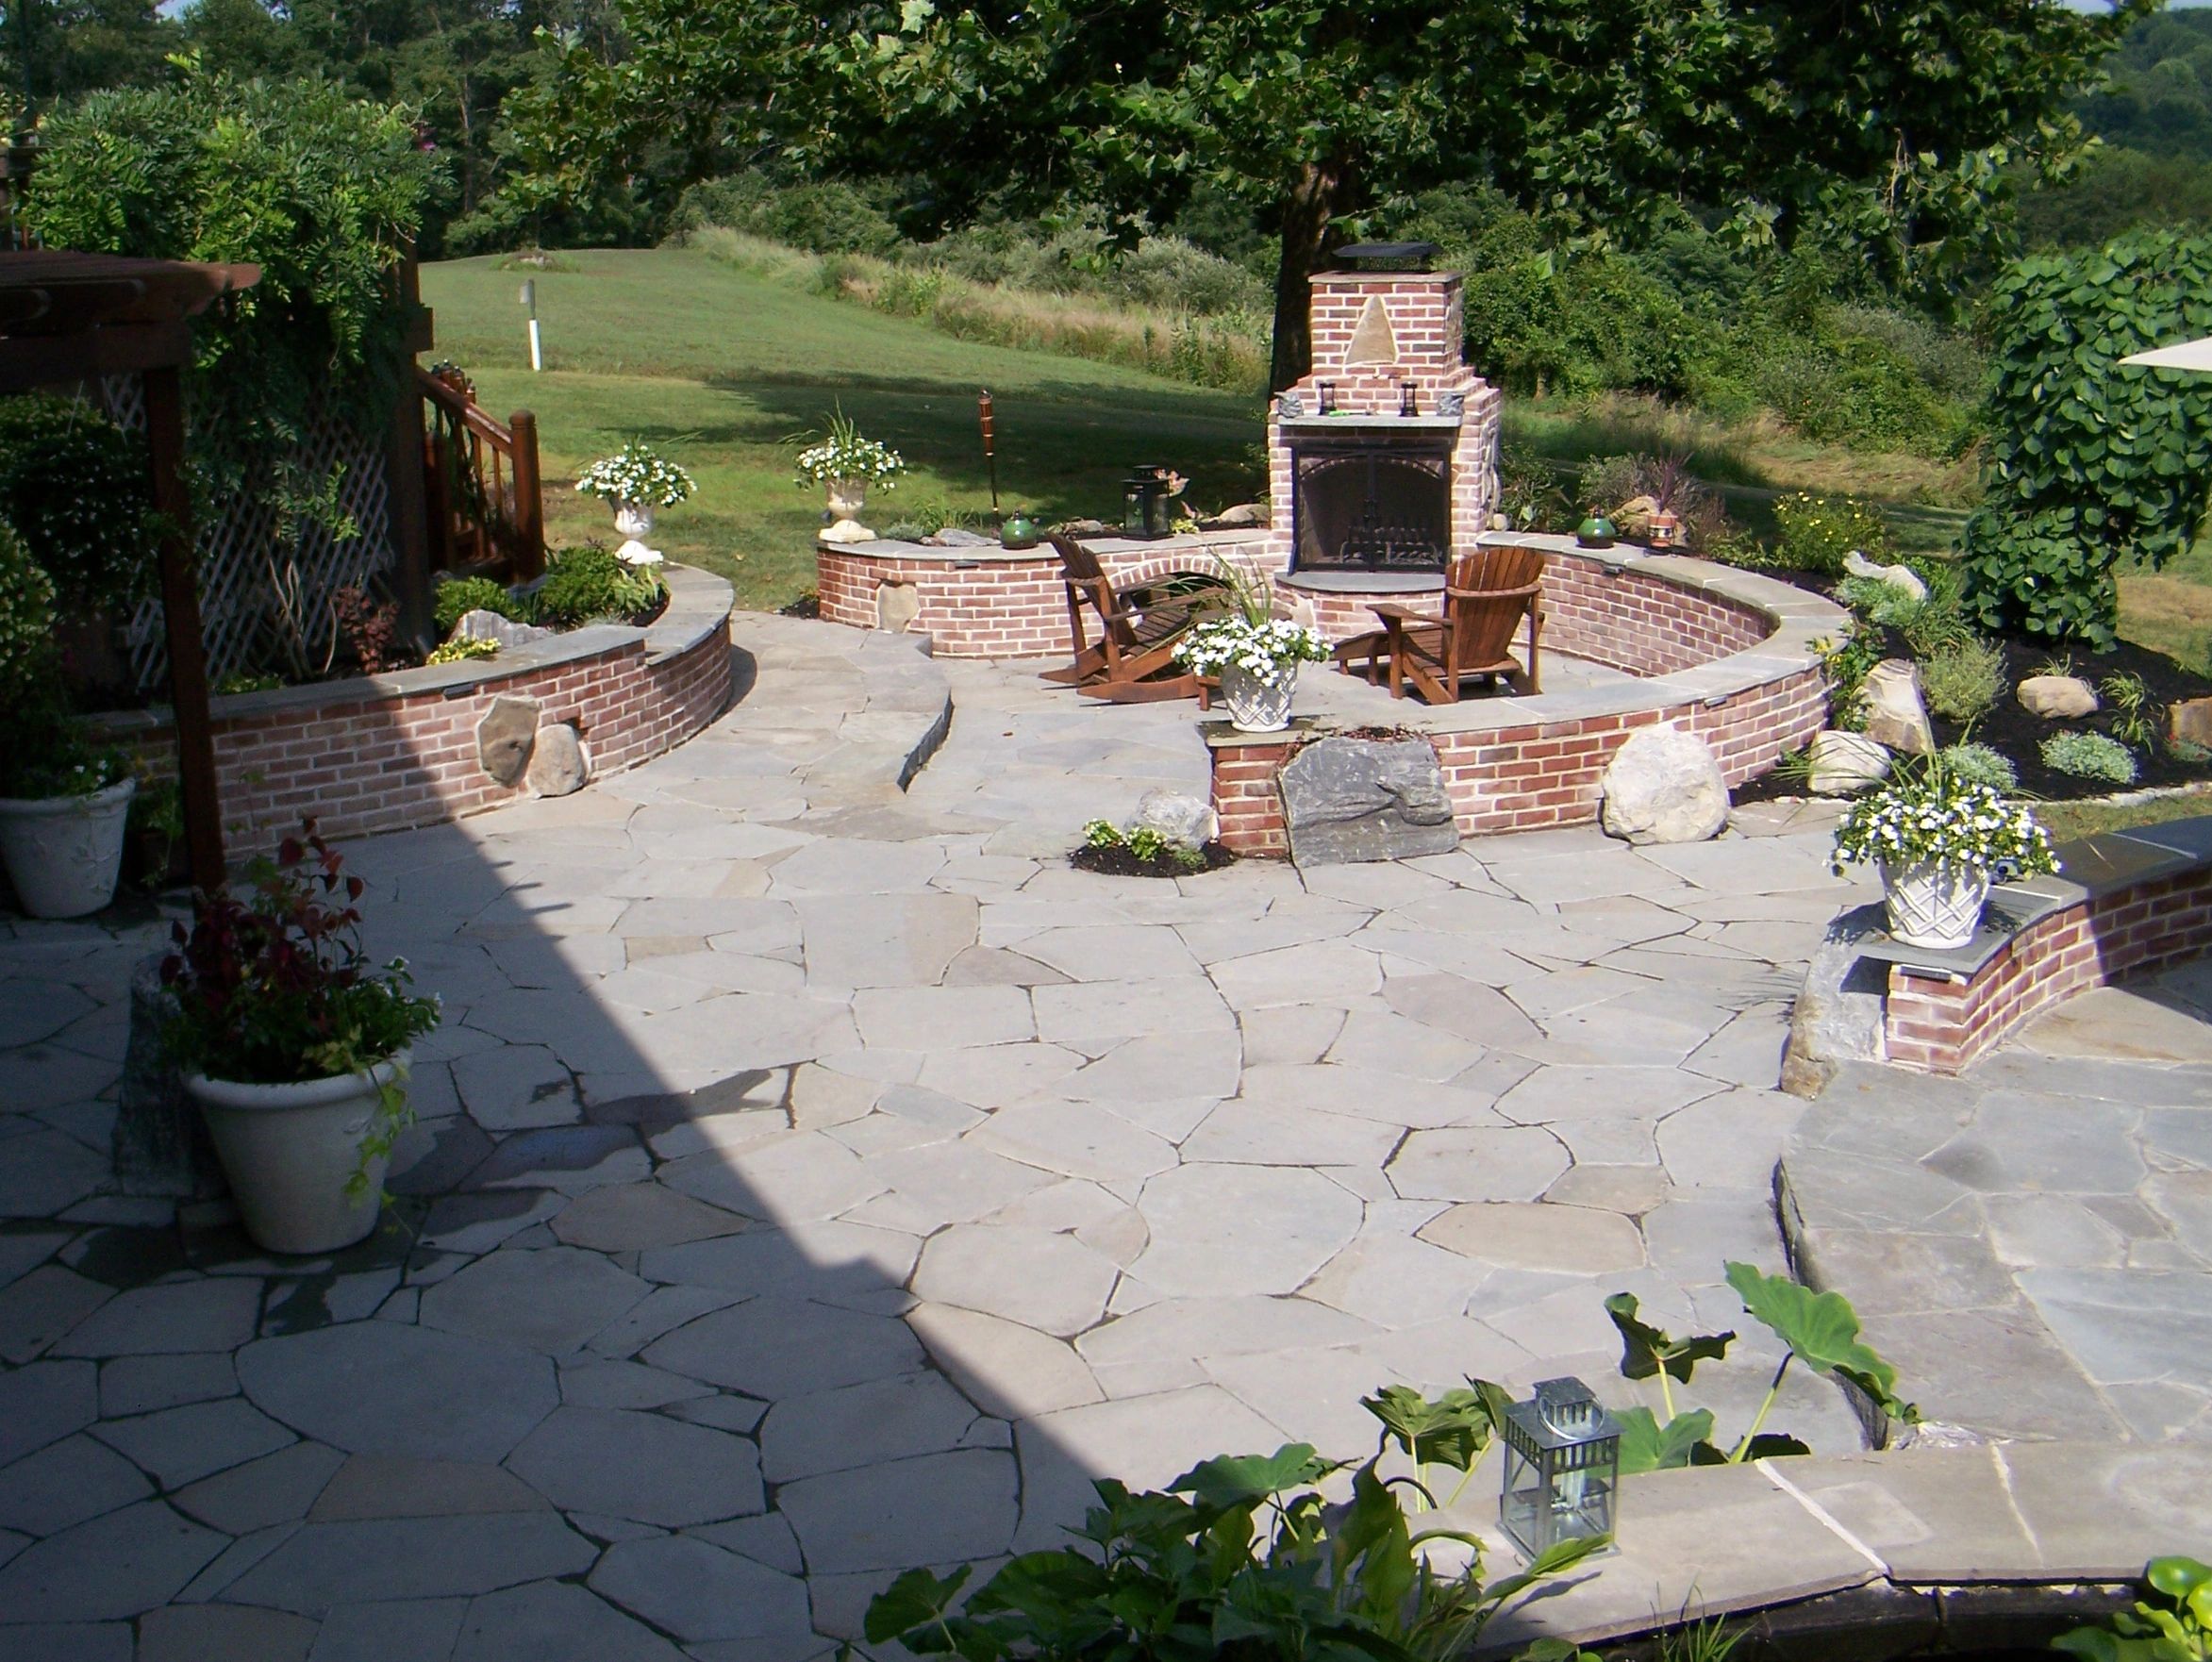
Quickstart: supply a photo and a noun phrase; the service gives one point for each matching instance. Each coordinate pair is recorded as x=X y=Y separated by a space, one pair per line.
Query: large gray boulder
x=505 y=632
x=1901 y=577
x=1844 y=764
x=1348 y=800
x=1664 y=785
x=1896 y=716
x=1178 y=817
x=506 y=736
x=560 y=764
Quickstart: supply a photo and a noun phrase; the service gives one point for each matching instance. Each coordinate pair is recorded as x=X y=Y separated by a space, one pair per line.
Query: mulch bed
x=1123 y=862
x=2017 y=735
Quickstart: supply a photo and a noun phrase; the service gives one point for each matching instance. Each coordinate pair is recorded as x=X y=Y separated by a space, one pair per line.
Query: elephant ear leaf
x=1821 y=1331
x=1245 y=1480
x=1451 y=1431
x=1645 y=1350
x=1648 y=1446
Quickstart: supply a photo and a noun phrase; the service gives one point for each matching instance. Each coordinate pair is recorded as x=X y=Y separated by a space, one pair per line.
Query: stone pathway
x=816 y=1177
x=2035 y=1237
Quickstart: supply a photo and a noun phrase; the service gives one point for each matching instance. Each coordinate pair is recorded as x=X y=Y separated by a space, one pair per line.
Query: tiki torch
x=991 y=455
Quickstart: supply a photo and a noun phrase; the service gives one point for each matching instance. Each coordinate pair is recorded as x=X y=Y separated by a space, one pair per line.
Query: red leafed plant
x=271 y=987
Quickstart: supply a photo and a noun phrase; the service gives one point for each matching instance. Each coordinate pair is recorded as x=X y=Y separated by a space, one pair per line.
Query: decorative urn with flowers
x=846 y=462
x=294 y=1046
x=638 y=480
x=1939 y=841
x=1253 y=653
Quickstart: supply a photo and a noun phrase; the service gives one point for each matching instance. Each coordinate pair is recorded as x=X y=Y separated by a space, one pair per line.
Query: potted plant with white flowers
x=840 y=458
x=1253 y=653
x=63 y=800
x=639 y=480
x=294 y=1046
x=1939 y=841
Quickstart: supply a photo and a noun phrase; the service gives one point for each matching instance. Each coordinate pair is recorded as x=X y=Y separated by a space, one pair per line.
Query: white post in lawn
x=529 y=298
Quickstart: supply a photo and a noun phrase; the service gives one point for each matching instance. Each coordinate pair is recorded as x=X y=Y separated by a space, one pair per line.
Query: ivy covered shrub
x=2090 y=461
x=322 y=191
x=75 y=486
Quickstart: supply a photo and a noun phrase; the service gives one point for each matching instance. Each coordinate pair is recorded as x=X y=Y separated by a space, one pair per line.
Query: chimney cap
x=1415 y=256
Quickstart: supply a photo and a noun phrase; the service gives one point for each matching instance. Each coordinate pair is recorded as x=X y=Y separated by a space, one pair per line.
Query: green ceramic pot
x=1020 y=531
x=1596 y=532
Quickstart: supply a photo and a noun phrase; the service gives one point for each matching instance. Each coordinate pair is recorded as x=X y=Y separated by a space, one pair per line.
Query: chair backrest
x=1487 y=593
x=1079 y=562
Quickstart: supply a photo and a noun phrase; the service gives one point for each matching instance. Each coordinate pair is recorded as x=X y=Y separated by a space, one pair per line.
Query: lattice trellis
x=244 y=569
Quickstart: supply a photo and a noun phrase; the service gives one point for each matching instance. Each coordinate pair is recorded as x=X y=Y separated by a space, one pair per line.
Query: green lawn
x=718 y=368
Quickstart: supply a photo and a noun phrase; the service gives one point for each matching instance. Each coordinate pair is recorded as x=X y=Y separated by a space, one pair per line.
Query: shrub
x=1529 y=494
x=1814 y=533
x=1977 y=764
x=2090 y=461
x=75 y=486
x=26 y=620
x=1963 y=681
x=588 y=584
x=829 y=216
x=2089 y=756
x=456 y=596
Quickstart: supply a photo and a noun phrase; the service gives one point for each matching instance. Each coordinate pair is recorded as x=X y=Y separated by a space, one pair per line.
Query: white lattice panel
x=239 y=554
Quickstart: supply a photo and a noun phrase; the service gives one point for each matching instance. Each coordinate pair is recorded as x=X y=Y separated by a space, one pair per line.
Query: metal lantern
x=1562 y=1466
x=1144 y=504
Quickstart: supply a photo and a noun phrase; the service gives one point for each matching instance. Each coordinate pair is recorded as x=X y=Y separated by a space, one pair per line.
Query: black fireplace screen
x=1371 y=509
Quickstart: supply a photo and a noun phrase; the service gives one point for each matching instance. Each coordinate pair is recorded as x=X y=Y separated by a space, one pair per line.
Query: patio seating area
x=817 y=1177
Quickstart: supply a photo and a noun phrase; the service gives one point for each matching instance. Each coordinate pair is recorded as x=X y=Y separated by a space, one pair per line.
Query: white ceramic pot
x=847 y=497
x=291 y=1150
x=1933 y=906
x=64 y=853
x=1256 y=706
x=634 y=519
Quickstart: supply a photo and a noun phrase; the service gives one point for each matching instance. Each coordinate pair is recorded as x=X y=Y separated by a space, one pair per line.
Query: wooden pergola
x=67 y=319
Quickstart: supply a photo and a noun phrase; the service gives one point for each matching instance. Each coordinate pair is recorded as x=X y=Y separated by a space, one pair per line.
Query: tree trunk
x=1320 y=193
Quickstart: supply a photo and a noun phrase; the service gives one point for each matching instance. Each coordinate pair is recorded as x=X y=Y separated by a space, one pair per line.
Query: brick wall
x=1937 y=1025
x=377 y=757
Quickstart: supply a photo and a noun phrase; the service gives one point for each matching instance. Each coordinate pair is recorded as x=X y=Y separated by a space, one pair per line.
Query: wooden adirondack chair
x=1133 y=660
x=1487 y=593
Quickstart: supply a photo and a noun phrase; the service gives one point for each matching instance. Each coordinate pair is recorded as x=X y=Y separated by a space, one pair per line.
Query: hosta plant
x=636 y=473
x=1820 y=1333
x=2174 y=1624
x=841 y=451
x=1928 y=814
x=1242 y=1559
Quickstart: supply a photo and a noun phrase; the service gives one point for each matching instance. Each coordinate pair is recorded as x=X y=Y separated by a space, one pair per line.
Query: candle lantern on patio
x=1144 y=504
x=1562 y=1466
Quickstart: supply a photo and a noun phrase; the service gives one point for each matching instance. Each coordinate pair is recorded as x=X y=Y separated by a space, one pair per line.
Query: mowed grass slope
x=718 y=368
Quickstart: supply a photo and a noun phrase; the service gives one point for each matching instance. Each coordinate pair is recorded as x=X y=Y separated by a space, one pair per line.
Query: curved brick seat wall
x=383 y=753
x=1729 y=656
x=2124 y=902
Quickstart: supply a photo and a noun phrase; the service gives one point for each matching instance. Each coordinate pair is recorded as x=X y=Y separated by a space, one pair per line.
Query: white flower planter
x=634 y=519
x=290 y=1151
x=1934 y=905
x=64 y=853
x=847 y=499
x=1256 y=706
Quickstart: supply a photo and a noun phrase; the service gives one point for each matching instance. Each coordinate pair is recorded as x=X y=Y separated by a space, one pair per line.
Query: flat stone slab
x=383 y=1388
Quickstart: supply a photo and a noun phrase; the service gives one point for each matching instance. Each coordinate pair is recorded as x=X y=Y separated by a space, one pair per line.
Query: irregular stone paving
x=815 y=1178
x=2036 y=1236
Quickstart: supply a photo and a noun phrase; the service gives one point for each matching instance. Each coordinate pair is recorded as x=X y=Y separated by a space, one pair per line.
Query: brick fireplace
x=1384 y=458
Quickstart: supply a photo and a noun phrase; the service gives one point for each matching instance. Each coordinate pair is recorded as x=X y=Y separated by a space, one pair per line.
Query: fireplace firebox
x=1360 y=505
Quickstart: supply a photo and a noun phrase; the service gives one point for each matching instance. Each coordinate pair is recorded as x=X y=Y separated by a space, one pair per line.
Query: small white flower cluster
x=1937 y=820
x=1269 y=648
x=850 y=458
x=636 y=473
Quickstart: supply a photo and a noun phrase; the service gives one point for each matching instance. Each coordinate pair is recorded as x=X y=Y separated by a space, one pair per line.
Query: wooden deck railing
x=485 y=504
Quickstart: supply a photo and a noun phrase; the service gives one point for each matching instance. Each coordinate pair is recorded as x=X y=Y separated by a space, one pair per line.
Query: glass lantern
x=1562 y=1467
x=1144 y=504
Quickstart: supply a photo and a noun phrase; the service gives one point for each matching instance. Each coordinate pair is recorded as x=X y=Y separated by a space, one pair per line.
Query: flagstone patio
x=818 y=1177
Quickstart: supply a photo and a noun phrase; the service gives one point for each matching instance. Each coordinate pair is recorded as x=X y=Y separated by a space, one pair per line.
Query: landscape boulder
x=487 y=625
x=505 y=737
x=1844 y=764
x=897 y=605
x=560 y=764
x=1896 y=716
x=2057 y=698
x=1243 y=513
x=1177 y=817
x=2190 y=721
x=1664 y=785
x=1855 y=564
x=1348 y=800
